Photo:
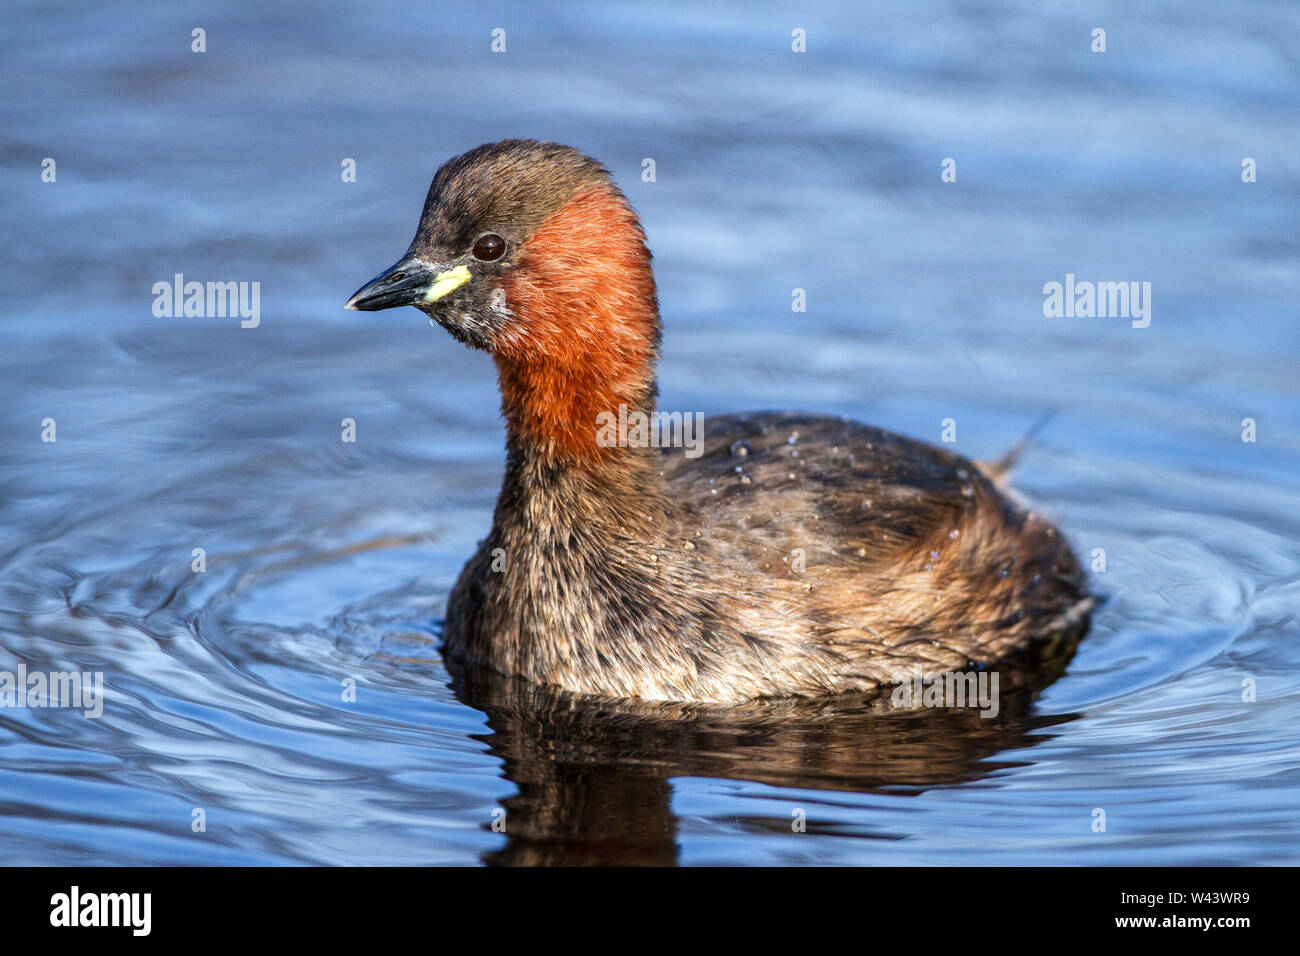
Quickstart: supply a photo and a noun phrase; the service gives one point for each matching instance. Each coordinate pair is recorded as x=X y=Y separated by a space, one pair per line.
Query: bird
x=791 y=555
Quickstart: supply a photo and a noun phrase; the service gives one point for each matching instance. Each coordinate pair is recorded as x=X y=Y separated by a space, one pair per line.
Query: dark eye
x=489 y=247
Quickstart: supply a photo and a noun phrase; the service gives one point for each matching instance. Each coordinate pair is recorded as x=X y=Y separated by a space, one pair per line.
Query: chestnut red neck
x=586 y=335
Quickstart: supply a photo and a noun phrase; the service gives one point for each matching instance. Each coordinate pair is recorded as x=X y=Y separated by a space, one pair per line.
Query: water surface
x=330 y=562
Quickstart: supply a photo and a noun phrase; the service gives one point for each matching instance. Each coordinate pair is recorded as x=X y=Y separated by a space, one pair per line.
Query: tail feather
x=1000 y=469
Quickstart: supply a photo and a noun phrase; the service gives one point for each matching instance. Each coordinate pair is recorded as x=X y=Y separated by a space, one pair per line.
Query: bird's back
x=858 y=554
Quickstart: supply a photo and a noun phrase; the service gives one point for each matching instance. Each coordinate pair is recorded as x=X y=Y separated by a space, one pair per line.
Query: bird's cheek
x=478 y=318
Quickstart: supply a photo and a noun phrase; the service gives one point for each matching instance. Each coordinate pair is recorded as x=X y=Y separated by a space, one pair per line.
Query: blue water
x=330 y=562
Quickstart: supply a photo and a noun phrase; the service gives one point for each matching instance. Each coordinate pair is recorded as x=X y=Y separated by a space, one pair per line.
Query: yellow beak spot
x=445 y=282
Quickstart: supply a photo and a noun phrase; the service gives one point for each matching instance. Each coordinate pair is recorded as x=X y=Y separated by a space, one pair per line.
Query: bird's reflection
x=594 y=777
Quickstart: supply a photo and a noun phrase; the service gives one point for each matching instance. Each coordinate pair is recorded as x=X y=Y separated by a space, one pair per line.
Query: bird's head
x=527 y=250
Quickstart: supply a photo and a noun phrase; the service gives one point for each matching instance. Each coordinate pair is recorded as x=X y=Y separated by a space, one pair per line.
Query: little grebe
x=797 y=555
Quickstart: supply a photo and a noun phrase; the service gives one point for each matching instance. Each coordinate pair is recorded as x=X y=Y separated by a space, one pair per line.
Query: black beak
x=403 y=283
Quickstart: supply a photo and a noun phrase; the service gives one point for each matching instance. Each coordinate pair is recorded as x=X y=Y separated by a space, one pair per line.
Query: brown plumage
x=799 y=555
